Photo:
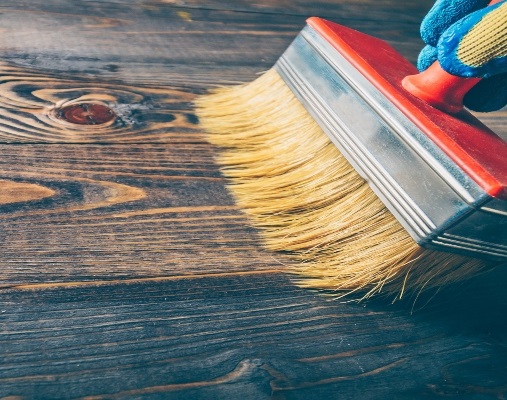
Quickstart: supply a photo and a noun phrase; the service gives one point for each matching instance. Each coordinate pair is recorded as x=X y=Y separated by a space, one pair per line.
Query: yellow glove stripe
x=486 y=40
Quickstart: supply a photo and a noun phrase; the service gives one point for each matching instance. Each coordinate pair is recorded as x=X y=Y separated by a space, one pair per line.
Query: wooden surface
x=127 y=271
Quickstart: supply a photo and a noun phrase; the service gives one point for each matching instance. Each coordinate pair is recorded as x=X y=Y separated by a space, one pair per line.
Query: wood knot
x=86 y=114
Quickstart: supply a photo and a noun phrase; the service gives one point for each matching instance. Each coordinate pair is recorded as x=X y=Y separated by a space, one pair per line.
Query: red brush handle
x=440 y=89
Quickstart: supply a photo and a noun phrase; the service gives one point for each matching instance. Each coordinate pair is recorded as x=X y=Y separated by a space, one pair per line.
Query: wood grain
x=17 y=192
x=30 y=104
x=248 y=336
x=186 y=43
x=126 y=269
x=120 y=211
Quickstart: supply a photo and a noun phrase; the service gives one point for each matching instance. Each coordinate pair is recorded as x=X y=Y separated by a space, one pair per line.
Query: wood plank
x=120 y=211
x=249 y=336
x=159 y=42
x=410 y=12
x=96 y=57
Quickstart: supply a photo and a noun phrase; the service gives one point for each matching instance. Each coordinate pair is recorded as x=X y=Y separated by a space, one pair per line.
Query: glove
x=469 y=39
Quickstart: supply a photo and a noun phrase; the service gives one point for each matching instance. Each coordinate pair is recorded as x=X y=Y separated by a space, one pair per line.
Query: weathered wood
x=169 y=43
x=110 y=211
x=247 y=336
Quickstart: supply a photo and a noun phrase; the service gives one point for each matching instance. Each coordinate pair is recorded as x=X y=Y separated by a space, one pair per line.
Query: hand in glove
x=469 y=39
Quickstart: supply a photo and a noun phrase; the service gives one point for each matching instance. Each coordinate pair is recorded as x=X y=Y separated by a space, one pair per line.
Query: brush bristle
x=307 y=200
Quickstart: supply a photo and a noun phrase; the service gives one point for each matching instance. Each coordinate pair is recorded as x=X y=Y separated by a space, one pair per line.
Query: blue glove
x=469 y=39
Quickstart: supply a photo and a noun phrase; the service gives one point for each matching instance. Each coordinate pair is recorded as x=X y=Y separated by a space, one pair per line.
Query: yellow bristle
x=307 y=200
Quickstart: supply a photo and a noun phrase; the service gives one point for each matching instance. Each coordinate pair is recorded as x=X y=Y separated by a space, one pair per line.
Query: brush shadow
x=476 y=306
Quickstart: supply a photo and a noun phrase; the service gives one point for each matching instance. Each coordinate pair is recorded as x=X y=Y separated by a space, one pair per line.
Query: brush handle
x=439 y=88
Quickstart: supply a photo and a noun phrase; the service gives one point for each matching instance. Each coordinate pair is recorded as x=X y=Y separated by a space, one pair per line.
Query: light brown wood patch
x=16 y=192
